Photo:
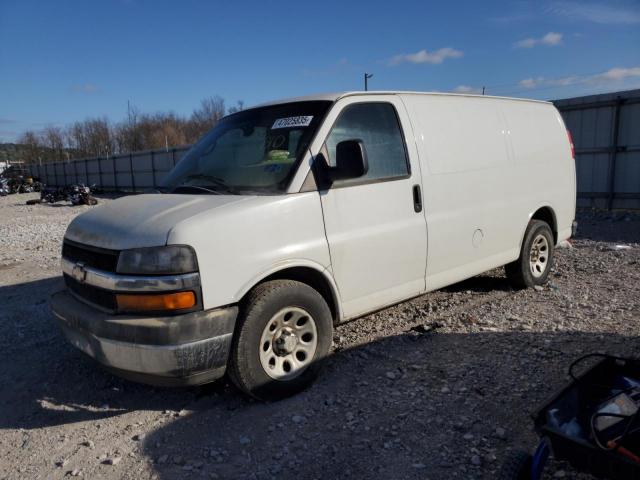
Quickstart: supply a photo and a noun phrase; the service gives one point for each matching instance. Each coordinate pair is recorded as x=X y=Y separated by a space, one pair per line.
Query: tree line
x=95 y=137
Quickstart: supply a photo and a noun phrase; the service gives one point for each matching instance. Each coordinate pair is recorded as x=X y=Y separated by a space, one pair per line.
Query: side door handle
x=417 y=199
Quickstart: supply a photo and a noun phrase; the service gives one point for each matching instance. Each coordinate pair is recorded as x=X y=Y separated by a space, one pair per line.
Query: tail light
x=573 y=150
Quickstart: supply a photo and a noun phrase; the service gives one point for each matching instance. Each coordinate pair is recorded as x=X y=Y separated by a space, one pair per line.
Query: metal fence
x=131 y=172
x=606 y=135
x=605 y=128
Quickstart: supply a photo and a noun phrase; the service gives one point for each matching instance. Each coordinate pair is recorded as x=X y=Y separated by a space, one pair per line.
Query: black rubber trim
x=196 y=378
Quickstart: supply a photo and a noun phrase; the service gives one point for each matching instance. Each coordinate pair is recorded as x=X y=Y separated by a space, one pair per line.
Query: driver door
x=375 y=224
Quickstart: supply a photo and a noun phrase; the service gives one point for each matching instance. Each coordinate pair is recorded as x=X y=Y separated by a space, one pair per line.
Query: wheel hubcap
x=288 y=343
x=539 y=256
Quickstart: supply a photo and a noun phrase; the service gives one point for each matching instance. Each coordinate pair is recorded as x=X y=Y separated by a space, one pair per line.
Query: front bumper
x=188 y=349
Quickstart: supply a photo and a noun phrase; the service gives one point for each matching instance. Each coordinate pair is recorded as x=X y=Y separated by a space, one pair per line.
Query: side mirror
x=351 y=161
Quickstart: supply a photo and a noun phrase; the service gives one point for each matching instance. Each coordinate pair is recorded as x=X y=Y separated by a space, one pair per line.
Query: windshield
x=253 y=151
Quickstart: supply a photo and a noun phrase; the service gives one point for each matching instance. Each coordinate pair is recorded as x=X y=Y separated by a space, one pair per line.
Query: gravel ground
x=439 y=387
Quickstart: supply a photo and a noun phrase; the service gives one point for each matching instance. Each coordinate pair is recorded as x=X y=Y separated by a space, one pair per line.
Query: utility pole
x=367 y=76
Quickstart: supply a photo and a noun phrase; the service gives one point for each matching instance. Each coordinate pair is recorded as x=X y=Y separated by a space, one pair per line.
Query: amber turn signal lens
x=152 y=303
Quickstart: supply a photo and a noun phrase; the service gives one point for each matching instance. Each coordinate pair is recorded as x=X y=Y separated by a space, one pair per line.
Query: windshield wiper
x=195 y=187
x=217 y=181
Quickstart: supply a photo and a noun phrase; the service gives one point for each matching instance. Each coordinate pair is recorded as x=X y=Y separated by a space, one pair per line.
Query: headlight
x=167 y=260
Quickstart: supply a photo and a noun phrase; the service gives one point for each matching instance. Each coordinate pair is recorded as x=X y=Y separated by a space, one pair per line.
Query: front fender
x=290 y=264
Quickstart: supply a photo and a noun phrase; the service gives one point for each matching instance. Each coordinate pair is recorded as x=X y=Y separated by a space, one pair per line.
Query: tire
x=537 y=244
x=263 y=345
x=517 y=466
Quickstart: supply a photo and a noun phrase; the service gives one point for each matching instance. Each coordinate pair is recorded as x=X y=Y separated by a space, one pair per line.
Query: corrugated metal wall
x=605 y=128
x=133 y=172
x=606 y=135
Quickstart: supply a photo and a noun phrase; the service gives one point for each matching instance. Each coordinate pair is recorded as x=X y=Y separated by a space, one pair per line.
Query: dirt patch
x=439 y=387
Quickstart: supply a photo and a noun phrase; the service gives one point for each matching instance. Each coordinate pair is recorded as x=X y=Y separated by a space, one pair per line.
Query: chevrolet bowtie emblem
x=79 y=273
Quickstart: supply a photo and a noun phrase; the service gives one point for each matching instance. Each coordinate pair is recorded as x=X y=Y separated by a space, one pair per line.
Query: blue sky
x=62 y=61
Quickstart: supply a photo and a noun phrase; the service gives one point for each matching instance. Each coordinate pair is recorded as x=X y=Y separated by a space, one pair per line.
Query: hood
x=141 y=220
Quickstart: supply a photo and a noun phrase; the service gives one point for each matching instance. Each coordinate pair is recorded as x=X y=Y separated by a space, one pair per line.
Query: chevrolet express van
x=291 y=217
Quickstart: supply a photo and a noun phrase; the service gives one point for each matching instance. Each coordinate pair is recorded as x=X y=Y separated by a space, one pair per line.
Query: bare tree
x=99 y=140
x=54 y=141
x=207 y=116
x=238 y=107
x=98 y=137
x=33 y=144
x=77 y=139
x=91 y=137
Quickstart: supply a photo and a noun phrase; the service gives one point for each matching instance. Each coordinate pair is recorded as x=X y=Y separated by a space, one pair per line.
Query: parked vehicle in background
x=289 y=218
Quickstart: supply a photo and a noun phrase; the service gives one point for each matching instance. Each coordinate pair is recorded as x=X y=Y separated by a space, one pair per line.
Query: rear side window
x=376 y=124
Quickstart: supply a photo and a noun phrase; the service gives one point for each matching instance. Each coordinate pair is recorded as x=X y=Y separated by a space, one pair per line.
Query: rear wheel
x=284 y=332
x=536 y=257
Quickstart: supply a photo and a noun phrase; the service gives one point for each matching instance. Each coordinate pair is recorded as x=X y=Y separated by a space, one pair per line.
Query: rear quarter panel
x=488 y=164
x=542 y=159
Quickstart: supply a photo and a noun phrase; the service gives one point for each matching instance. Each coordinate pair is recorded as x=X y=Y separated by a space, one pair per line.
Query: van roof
x=337 y=95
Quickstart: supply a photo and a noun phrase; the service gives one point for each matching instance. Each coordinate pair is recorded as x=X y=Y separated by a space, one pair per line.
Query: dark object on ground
x=17 y=180
x=76 y=194
x=96 y=189
x=517 y=466
x=586 y=424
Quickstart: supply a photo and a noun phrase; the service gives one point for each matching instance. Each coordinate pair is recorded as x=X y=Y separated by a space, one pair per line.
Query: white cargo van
x=291 y=217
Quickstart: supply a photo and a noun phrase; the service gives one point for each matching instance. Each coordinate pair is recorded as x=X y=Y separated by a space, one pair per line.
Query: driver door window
x=376 y=124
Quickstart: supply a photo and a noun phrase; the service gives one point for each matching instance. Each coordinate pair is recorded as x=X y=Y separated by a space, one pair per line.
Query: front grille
x=97 y=296
x=99 y=258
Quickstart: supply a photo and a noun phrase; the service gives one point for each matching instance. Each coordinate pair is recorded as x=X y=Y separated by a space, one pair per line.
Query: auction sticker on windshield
x=292 y=122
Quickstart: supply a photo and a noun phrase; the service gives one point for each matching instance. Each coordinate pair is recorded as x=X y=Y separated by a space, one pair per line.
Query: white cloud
x=467 y=89
x=86 y=88
x=526 y=43
x=611 y=76
x=423 y=56
x=531 y=82
x=551 y=39
x=615 y=75
x=611 y=13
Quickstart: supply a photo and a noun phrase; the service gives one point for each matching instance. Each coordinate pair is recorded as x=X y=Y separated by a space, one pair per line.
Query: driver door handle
x=417 y=199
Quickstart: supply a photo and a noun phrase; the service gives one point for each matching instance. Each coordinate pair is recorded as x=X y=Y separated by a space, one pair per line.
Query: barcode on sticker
x=292 y=122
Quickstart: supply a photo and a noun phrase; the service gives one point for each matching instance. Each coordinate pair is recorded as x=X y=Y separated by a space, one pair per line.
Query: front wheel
x=284 y=332
x=536 y=257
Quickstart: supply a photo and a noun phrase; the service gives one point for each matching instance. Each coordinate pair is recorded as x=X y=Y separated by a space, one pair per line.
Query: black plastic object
x=351 y=161
x=517 y=466
x=579 y=400
x=417 y=199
